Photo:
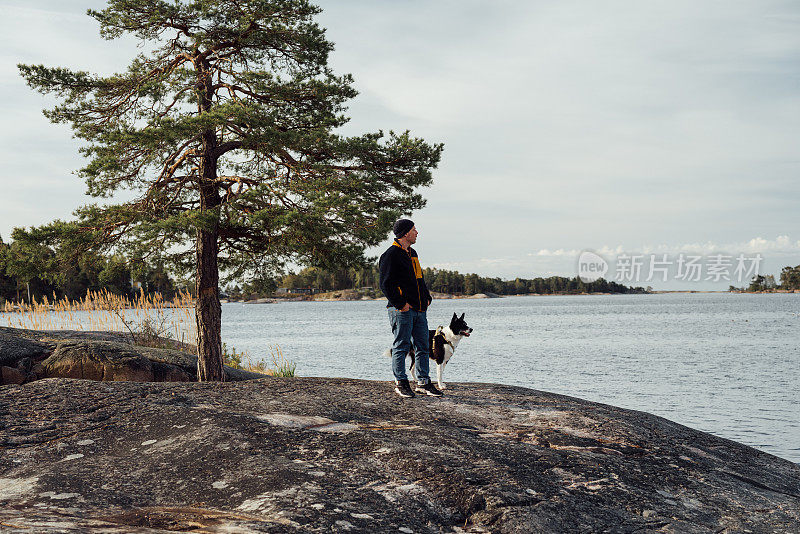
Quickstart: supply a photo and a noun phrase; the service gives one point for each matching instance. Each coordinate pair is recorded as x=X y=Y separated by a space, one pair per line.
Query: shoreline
x=479 y=296
x=16 y=308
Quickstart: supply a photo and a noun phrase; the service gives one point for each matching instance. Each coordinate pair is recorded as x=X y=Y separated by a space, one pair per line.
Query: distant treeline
x=453 y=282
x=790 y=280
x=28 y=268
x=30 y=271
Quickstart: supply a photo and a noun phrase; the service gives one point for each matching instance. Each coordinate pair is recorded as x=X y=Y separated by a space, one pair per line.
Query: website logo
x=591 y=267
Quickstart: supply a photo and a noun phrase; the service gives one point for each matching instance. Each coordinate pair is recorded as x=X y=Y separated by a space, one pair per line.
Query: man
x=402 y=283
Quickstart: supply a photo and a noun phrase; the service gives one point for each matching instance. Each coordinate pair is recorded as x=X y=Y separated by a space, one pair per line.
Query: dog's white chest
x=450 y=345
x=448 y=353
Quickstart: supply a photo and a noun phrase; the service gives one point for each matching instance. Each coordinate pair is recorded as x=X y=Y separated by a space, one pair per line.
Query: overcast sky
x=615 y=126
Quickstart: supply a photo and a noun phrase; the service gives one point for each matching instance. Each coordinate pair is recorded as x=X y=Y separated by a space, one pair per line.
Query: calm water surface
x=722 y=363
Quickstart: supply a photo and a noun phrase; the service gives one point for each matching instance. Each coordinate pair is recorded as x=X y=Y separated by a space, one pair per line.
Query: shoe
x=403 y=389
x=429 y=389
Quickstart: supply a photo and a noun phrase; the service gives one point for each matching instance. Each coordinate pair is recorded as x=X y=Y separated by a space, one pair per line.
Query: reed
x=105 y=311
x=147 y=318
x=282 y=367
x=244 y=360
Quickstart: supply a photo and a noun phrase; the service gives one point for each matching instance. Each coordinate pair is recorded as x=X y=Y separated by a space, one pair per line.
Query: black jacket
x=401 y=279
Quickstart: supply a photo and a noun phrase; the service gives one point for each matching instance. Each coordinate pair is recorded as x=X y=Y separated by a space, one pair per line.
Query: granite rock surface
x=337 y=455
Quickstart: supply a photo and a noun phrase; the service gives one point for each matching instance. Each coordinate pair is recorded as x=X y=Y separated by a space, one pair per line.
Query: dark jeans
x=407 y=326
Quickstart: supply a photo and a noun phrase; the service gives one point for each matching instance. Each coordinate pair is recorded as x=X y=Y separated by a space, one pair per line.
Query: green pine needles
x=227 y=133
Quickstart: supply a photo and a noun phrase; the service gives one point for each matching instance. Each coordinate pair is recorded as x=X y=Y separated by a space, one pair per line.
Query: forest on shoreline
x=28 y=272
x=450 y=282
x=33 y=272
x=789 y=281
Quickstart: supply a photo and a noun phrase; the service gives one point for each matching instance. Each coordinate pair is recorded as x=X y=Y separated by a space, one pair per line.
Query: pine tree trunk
x=208 y=310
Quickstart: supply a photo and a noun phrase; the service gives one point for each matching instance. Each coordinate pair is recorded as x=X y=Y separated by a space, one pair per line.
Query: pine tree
x=790 y=277
x=226 y=131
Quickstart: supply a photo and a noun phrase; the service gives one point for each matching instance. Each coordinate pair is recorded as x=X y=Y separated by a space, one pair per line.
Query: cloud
x=667 y=119
x=566 y=124
x=768 y=255
x=782 y=244
x=482 y=265
x=559 y=252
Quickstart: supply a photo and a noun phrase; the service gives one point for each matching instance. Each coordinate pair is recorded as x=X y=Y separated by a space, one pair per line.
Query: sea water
x=718 y=362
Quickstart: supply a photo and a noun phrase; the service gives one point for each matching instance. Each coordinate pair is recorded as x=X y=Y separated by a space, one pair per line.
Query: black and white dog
x=442 y=344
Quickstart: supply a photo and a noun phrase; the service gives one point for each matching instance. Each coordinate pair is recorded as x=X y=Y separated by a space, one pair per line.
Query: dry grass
x=147 y=318
x=244 y=360
x=106 y=311
x=282 y=367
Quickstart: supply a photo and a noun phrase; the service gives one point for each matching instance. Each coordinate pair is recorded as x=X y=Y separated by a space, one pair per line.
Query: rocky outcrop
x=335 y=455
x=18 y=345
x=27 y=355
x=96 y=360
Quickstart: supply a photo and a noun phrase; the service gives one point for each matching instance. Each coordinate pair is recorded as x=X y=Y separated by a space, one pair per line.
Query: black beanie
x=402 y=227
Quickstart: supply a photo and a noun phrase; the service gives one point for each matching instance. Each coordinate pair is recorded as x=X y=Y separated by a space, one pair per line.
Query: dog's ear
x=462 y=316
x=455 y=317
